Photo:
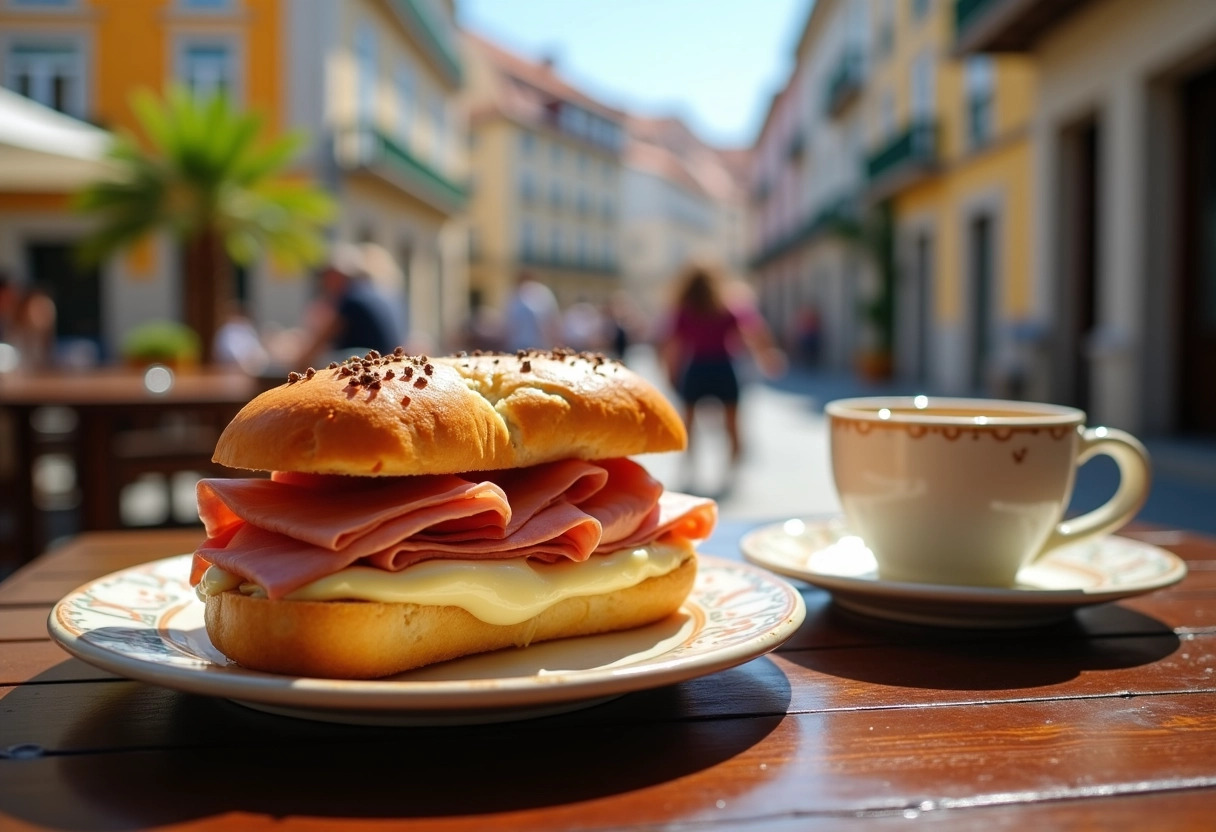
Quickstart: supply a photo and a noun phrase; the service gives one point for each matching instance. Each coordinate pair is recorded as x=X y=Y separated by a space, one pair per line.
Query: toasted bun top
x=400 y=415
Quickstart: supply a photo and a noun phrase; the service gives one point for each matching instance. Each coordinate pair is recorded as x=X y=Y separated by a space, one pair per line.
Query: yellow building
x=1124 y=133
x=546 y=166
x=949 y=153
x=373 y=83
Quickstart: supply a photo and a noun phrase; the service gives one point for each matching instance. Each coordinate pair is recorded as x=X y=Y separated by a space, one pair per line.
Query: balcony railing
x=436 y=36
x=829 y=217
x=368 y=147
x=966 y=12
x=1007 y=25
x=911 y=153
x=846 y=83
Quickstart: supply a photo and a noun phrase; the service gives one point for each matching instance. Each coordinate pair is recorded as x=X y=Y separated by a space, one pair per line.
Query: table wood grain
x=1107 y=721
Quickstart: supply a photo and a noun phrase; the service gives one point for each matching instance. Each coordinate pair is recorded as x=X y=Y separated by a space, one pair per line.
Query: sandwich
x=422 y=509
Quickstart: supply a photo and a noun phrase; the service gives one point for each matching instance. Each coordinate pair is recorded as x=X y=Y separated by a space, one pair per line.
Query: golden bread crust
x=404 y=415
x=367 y=640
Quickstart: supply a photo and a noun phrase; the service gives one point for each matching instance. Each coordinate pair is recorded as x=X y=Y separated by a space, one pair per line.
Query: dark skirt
x=710 y=379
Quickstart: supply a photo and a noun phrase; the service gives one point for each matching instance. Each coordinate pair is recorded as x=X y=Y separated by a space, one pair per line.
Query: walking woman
x=706 y=331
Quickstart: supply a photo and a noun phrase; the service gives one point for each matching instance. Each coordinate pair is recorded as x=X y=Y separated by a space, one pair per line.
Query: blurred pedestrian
x=534 y=319
x=584 y=327
x=8 y=304
x=622 y=317
x=807 y=329
x=705 y=333
x=356 y=313
x=238 y=343
x=31 y=330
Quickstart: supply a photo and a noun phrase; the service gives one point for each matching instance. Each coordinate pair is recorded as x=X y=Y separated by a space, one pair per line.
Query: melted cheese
x=498 y=592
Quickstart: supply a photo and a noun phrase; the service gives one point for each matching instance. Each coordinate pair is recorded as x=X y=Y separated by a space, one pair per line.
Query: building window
x=527 y=144
x=555 y=245
x=980 y=84
x=884 y=41
x=584 y=249
x=42 y=4
x=527 y=239
x=924 y=94
x=365 y=61
x=49 y=72
x=527 y=187
x=206 y=5
x=885 y=116
x=920 y=8
x=439 y=126
x=404 y=86
x=208 y=68
x=555 y=195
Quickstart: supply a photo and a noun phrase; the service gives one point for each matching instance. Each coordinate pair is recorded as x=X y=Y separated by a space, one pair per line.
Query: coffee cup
x=968 y=491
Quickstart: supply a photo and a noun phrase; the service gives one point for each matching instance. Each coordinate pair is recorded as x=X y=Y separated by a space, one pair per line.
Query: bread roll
x=402 y=415
x=367 y=639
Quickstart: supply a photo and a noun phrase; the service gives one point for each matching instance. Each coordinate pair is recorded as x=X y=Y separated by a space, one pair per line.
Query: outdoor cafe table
x=1106 y=721
x=105 y=401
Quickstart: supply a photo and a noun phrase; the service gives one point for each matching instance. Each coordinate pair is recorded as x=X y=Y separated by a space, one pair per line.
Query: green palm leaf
x=206 y=173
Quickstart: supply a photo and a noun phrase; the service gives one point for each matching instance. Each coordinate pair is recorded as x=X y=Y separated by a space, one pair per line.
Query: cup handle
x=1134 y=477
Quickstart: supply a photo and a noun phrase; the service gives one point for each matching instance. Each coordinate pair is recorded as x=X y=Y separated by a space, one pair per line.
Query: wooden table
x=1106 y=722
x=106 y=402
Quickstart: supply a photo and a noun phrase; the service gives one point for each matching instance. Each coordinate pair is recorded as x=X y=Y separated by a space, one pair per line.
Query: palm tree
x=207 y=177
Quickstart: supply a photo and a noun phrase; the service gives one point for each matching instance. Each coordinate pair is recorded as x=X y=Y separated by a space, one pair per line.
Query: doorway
x=923 y=265
x=1197 y=365
x=75 y=289
x=981 y=272
x=1081 y=196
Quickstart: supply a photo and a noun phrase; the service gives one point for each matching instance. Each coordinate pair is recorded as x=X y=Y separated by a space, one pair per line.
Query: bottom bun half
x=370 y=639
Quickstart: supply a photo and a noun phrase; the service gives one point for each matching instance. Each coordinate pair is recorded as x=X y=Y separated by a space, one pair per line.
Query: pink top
x=713 y=337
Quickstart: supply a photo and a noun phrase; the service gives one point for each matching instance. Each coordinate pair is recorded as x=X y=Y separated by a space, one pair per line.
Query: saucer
x=824 y=553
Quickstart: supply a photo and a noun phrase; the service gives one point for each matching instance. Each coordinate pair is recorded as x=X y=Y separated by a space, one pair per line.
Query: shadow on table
x=138 y=755
x=1106 y=637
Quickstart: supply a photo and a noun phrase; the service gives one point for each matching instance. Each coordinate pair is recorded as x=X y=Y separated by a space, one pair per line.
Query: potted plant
x=872 y=233
x=162 y=342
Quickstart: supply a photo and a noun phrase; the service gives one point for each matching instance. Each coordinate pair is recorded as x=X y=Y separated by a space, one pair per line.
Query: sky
x=715 y=63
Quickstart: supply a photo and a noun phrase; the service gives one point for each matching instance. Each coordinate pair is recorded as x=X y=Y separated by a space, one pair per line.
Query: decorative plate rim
x=782 y=618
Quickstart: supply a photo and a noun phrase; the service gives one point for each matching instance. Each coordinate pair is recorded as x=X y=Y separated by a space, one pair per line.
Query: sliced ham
x=292 y=529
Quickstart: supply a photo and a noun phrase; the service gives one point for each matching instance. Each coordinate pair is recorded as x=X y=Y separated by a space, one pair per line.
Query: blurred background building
x=681 y=199
x=546 y=163
x=807 y=183
x=1008 y=197
x=373 y=83
x=1123 y=218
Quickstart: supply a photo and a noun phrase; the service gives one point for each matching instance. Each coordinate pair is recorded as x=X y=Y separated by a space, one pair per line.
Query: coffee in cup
x=968 y=491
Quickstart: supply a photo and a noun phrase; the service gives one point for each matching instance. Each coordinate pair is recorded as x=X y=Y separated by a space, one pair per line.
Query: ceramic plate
x=146 y=623
x=824 y=553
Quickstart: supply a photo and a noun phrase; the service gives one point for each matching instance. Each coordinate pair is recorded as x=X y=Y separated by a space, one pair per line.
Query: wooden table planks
x=1108 y=720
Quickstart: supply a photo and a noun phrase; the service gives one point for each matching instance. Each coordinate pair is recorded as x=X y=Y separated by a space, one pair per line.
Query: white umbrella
x=43 y=150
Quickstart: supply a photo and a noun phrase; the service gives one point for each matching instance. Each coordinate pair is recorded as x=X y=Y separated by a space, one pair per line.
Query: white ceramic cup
x=968 y=491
